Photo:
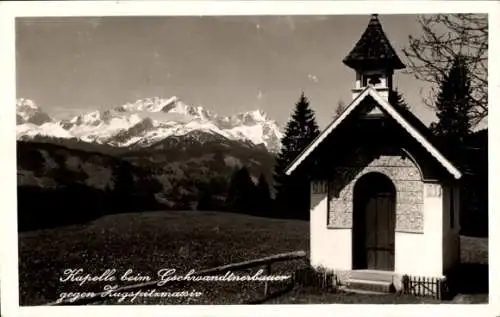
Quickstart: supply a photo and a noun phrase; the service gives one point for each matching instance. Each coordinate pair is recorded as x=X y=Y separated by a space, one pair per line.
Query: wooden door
x=374 y=223
x=380 y=232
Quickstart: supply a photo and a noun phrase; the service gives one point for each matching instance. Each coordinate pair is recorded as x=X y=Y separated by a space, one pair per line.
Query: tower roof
x=373 y=49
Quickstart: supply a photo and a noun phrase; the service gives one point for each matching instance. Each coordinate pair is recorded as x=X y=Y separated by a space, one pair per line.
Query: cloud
x=260 y=95
x=313 y=78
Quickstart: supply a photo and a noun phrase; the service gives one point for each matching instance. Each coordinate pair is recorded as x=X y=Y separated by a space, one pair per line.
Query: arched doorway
x=374 y=218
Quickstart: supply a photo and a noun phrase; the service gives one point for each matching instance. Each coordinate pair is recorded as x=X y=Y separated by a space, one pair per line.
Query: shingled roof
x=373 y=49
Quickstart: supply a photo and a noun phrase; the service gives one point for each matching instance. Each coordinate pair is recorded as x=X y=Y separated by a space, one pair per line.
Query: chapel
x=384 y=198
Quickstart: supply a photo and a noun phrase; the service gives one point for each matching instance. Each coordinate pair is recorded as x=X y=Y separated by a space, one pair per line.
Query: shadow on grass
x=46 y=208
x=273 y=295
x=471 y=278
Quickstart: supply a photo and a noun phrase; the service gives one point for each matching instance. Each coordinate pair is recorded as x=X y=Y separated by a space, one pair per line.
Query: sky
x=227 y=64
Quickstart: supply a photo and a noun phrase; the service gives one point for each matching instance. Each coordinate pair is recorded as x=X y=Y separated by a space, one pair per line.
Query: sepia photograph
x=252 y=159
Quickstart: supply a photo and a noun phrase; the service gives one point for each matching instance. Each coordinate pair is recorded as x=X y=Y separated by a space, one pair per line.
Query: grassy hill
x=147 y=242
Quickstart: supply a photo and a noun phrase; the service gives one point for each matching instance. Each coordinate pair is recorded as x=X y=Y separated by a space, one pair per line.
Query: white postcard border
x=8 y=224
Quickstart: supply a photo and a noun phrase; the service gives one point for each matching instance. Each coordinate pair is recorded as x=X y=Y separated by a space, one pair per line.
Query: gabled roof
x=408 y=123
x=373 y=49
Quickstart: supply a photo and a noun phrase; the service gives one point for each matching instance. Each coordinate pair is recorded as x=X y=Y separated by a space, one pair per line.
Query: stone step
x=370 y=286
x=372 y=275
x=360 y=291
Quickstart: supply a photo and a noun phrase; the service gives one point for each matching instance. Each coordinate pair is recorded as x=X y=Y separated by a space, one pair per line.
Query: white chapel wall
x=421 y=254
x=330 y=249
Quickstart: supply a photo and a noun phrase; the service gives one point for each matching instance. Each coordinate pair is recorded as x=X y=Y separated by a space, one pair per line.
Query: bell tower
x=374 y=60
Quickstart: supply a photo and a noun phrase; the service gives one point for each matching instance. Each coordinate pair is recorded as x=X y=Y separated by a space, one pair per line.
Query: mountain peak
x=258 y=115
x=26 y=103
x=251 y=117
x=28 y=112
x=150 y=120
x=152 y=104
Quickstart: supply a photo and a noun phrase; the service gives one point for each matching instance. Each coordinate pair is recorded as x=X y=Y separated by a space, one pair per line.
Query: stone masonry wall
x=409 y=192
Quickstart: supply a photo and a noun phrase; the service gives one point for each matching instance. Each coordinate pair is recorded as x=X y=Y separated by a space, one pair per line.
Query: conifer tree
x=292 y=194
x=242 y=192
x=340 y=108
x=454 y=104
x=205 y=201
x=396 y=99
x=124 y=187
x=264 y=200
x=453 y=129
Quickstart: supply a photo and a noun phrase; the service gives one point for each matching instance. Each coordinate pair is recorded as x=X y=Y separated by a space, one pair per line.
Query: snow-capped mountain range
x=145 y=122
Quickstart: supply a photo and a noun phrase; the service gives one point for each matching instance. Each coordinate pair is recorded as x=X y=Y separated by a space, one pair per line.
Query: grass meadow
x=149 y=241
x=184 y=240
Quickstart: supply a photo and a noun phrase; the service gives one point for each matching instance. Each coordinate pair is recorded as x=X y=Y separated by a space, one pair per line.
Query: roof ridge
x=395 y=114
